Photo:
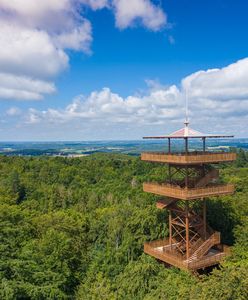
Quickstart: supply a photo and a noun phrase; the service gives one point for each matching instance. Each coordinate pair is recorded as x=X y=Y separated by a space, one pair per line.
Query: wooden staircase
x=206 y=245
x=213 y=174
x=165 y=203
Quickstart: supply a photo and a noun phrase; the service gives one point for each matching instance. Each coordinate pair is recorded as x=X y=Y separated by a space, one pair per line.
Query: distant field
x=125 y=147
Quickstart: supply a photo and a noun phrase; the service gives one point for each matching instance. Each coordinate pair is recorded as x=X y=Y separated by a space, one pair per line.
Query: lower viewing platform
x=163 y=251
x=189 y=158
x=178 y=192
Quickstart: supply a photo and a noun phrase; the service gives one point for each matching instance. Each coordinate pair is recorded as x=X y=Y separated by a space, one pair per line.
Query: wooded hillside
x=75 y=228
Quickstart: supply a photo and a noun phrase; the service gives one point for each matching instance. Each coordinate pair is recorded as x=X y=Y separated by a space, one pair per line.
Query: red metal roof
x=187 y=132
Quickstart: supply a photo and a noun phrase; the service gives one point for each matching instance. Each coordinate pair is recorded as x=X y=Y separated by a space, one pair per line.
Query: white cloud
x=219 y=94
x=106 y=106
x=128 y=12
x=162 y=108
x=13 y=111
x=96 y=4
x=77 y=39
x=229 y=83
x=34 y=36
x=39 y=9
x=29 y=52
x=23 y=87
x=33 y=39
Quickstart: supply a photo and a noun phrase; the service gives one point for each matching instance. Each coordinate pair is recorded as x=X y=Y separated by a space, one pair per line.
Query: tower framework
x=192 y=176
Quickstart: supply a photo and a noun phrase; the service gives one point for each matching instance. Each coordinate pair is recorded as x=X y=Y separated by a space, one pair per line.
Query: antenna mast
x=186 y=122
x=186 y=108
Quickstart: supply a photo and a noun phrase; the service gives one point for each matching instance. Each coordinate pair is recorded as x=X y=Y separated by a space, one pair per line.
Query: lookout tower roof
x=187 y=132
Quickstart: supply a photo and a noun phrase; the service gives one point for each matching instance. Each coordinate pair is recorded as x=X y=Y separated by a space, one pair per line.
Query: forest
x=74 y=228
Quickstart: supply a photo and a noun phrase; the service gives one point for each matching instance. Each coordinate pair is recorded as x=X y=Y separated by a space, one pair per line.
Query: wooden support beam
x=187 y=229
x=170 y=229
x=187 y=177
x=169 y=171
x=204 y=144
x=179 y=233
x=186 y=145
x=204 y=218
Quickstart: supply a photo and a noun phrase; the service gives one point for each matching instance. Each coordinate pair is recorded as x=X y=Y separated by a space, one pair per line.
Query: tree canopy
x=75 y=228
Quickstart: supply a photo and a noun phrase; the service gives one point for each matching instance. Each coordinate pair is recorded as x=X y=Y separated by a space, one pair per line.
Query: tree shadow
x=221 y=217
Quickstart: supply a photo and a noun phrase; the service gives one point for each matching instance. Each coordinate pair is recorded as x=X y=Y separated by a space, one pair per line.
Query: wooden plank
x=174 y=191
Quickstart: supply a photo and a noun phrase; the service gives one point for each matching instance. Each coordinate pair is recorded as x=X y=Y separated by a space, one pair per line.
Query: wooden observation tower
x=192 y=244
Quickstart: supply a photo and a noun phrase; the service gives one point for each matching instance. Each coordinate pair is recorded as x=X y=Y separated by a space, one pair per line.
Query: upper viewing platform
x=188 y=157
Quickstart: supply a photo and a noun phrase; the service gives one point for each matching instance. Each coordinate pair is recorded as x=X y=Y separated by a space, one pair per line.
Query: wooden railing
x=173 y=191
x=189 y=158
x=214 y=239
x=195 y=246
x=206 y=261
x=169 y=256
x=165 y=256
x=158 y=243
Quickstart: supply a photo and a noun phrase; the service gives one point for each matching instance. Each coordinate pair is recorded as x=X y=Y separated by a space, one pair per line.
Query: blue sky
x=103 y=69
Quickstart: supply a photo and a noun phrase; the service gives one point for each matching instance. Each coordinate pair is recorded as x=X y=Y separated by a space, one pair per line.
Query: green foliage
x=242 y=157
x=75 y=228
x=231 y=282
x=98 y=289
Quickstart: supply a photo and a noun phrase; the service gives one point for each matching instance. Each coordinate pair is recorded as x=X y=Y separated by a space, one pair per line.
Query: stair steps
x=165 y=203
x=213 y=240
x=212 y=174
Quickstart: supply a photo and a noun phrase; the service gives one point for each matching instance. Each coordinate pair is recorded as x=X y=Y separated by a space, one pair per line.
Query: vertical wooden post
x=187 y=229
x=169 y=171
x=204 y=144
x=187 y=177
x=204 y=219
x=170 y=229
x=186 y=145
x=169 y=145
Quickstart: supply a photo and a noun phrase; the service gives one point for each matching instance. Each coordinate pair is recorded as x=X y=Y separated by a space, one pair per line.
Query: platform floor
x=162 y=251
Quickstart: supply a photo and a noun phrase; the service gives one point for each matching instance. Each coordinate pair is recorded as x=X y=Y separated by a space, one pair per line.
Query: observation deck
x=185 y=193
x=163 y=251
x=189 y=158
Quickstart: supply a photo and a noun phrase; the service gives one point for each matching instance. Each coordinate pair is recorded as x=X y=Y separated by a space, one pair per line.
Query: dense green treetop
x=75 y=228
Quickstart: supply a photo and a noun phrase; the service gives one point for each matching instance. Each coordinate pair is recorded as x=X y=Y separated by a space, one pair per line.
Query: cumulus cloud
x=29 y=52
x=77 y=39
x=127 y=12
x=96 y=4
x=13 y=111
x=23 y=87
x=229 y=83
x=219 y=93
x=130 y=13
x=161 y=106
x=105 y=106
x=34 y=37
